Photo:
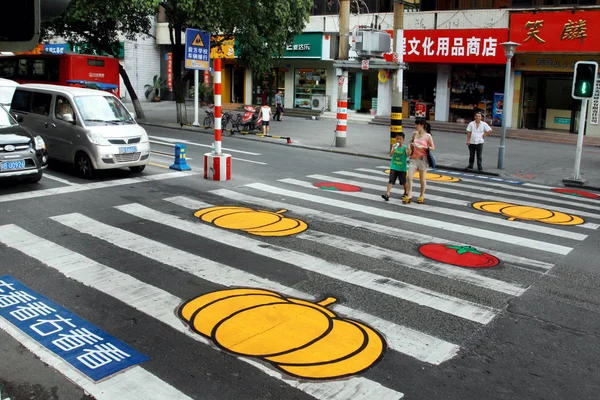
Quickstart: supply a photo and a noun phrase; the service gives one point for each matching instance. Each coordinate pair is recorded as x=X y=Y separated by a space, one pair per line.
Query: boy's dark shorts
x=265 y=123
x=399 y=175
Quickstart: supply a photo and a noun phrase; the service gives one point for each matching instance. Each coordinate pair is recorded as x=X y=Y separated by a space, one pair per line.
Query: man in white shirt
x=476 y=132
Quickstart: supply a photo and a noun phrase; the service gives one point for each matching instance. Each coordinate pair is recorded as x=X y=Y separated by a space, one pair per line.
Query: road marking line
x=57 y=179
x=435 y=187
x=91 y=186
x=158 y=165
x=171 y=140
x=397 y=215
x=382 y=284
x=160 y=305
x=449 y=212
x=250 y=161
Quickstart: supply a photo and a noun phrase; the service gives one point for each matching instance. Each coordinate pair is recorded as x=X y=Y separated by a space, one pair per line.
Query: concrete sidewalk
x=526 y=159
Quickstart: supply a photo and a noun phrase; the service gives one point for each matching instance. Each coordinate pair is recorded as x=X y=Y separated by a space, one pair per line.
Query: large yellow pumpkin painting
x=300 y=338
x=255 y=222
x=516 y=211
x=434 y=177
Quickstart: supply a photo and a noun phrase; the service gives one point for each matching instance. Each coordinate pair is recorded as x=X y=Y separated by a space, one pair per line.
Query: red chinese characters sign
x=556 y=32
x=454 y=46
x=170 y=70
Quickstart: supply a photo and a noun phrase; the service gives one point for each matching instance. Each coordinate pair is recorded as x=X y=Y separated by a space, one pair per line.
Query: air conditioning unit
x=318 y=102
x=371 y=43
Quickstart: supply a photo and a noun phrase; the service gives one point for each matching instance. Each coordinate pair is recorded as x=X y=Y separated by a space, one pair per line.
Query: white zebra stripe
x=397 y=215
x=402 y=339
x=160 y=305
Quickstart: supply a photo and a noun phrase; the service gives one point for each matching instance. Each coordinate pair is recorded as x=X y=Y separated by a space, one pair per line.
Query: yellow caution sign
x=198 y=42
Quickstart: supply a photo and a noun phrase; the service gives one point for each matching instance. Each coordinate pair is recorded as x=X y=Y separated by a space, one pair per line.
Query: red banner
x=170 y=70
x=556 y=31
x=453 y=46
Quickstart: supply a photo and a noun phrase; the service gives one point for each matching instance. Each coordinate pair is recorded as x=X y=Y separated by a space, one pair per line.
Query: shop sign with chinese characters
x=550 y=62
x=556 y=31
x=454 y=46
x=595 y=114
x=88 y=349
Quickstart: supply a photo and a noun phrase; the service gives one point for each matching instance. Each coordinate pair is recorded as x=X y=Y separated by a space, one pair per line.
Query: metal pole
x=397 y=82
x=196 y=79
x=505 y=115
x=217 y=92
x=582 y=118
x=342 y=109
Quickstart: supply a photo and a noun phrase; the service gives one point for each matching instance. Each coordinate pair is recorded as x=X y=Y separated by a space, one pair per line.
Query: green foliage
x=158 y=84
x=204 y=91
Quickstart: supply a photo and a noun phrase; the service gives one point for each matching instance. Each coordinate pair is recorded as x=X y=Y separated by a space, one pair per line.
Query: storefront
x=232 y=74
x=550 y=44
x=452 y=74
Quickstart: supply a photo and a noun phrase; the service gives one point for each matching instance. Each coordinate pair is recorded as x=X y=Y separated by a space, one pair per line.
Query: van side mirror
x=67 y=117
x=18 y=118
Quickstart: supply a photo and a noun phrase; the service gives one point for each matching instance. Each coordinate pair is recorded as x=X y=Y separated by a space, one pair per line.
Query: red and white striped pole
x=342 y=111
x=217 y=166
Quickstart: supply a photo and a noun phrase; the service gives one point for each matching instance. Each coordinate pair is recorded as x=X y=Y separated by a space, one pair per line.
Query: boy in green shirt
x=398 y=165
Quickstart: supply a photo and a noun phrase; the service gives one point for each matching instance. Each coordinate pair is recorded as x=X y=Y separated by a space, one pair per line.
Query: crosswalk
x=358 y=248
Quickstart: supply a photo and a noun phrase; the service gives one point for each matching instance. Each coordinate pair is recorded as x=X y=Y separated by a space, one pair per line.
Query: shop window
x=307 y=84
x=473 y=89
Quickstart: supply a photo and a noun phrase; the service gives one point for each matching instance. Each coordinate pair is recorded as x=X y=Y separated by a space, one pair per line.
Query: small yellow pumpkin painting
x=516 y=211
x=300 y=338
x=255 y=222
x=434 y=177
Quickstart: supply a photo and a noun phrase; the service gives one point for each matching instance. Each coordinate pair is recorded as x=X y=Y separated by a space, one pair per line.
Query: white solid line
x=450 y=212
x=397 y=215
x=441 y=188
x=392 y=287
x=57 y=179
x=93 y=185
x=134 y=382
x=154 y=154
x=250 y=161
x=406 y=260
x=171 y=140
x=161 y=305
x=402 y=339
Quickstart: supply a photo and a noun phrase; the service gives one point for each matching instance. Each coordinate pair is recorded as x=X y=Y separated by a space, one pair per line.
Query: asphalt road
x=124 y=252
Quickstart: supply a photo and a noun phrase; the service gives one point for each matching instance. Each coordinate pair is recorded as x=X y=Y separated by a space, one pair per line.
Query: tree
x=261 y=30
x=96 y=25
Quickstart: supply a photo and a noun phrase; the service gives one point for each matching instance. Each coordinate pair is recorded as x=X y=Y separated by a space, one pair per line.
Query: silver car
x=89 y=128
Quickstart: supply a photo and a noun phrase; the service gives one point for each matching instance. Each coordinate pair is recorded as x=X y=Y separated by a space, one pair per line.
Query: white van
x=90 y=128
x=7 y=89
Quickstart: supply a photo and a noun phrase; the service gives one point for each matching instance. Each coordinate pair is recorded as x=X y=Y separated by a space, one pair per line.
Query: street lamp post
x=509 y=51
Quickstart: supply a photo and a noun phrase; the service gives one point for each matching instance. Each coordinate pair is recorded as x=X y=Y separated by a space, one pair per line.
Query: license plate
x=12 y=165
x=127 y=150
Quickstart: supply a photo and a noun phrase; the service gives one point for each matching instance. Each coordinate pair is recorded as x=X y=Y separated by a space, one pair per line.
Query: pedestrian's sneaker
x=480 y=169
x=470 y=167
x=385 y=197
x=406 y=199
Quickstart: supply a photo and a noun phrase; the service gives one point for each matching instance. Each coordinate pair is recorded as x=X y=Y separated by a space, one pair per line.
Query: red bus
x=69 y=69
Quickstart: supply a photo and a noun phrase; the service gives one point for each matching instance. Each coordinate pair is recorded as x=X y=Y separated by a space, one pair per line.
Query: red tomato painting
x=577 y=193
x=461 y=256
x=342 y=187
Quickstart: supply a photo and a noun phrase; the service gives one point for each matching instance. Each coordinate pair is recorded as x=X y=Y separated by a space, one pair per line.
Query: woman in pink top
x=421 y=141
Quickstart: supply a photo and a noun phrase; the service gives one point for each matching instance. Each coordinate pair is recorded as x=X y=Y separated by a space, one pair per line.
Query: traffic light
x=584 y=79
x=20 y=29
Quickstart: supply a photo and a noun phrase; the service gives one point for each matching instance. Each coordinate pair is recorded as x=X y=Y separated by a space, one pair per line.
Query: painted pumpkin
x=337 y=186
x=516 y=211
x=296 y=336
x=260 y=223
x=461 y=256
x=434 y=177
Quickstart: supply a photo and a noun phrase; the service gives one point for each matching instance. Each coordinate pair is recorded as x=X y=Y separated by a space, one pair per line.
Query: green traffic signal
x=584 y=79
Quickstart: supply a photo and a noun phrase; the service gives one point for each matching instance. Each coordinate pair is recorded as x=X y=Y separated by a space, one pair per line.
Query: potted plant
x=153 y=90
x=204 y=92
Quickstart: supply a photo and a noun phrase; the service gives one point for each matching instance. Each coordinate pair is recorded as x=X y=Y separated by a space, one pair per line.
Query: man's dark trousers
x=472 y=149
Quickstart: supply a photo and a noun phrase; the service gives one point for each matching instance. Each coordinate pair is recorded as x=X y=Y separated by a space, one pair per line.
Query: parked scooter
x=251 y=120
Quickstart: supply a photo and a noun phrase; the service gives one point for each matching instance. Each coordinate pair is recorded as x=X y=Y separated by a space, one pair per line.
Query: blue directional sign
x=57 y=48
x=197 y=49
x=87 y=348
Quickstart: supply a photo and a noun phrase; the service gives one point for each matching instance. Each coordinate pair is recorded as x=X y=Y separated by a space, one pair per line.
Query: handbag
x=430 y=159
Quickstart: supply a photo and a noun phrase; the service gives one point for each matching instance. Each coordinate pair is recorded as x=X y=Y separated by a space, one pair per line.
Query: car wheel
x=83 y=165
x=138 y=168
x=35 y=178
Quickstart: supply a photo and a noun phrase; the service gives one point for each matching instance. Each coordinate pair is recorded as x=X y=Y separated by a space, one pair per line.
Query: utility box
x=371 y=43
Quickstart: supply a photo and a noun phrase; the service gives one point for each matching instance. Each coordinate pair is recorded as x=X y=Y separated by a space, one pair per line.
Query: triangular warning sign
x=198 y=41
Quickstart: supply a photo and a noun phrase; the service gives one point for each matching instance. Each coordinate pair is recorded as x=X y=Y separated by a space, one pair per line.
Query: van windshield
x=5 y=119
x=102 y=110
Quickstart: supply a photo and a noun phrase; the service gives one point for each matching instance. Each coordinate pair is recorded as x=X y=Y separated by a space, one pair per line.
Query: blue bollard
x=180 y=163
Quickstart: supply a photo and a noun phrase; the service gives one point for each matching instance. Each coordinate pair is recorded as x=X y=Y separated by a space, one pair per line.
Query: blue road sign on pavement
x=197 y=49
x=87 y=348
